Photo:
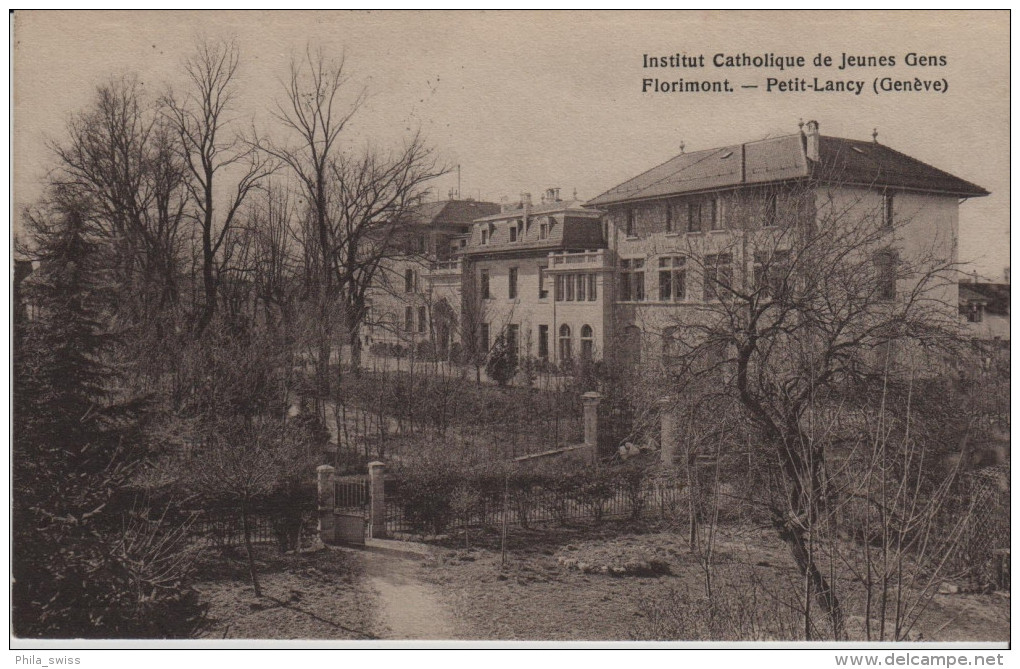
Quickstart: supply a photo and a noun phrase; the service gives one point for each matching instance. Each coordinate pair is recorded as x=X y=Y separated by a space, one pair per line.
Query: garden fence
x=521 y=507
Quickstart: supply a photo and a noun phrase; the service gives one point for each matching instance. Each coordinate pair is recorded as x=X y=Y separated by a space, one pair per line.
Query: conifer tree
x=77 y=567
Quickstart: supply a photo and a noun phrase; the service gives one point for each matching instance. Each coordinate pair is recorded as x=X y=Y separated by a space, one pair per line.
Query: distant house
x=984 y=310
x=415 y=298
x=22 y=306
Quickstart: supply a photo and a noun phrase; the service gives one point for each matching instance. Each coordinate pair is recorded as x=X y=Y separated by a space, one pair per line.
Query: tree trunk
x=805 y=500
x=246 y=531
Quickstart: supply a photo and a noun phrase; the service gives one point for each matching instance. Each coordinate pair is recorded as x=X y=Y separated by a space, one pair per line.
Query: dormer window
x=543 y=231
x=485 y=235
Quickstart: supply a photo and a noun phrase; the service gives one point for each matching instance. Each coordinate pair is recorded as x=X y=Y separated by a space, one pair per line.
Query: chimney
x=551 y=195
x=811 y=144
x=525 y=199
x=504 y=204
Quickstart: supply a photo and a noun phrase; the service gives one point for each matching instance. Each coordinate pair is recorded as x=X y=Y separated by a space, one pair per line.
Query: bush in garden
x=427 y=490
x=593 y=488
x=502 y=364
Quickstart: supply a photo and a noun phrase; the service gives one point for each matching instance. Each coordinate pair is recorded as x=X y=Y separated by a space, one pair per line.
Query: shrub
x=502 y=364
x=426 y=493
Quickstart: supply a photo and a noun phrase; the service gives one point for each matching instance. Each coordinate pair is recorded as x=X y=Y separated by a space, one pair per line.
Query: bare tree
x=357 y=201
x=121 y=158
x=794 y=316
x=201 y=117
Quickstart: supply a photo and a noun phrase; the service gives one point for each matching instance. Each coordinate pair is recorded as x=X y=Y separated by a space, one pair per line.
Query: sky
x=525 y=101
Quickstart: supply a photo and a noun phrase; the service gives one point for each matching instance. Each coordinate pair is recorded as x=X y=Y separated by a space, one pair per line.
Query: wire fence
x=221 y=527
x=522 y=507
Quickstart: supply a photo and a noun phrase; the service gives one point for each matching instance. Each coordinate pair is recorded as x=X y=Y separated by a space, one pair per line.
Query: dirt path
x=407 y=607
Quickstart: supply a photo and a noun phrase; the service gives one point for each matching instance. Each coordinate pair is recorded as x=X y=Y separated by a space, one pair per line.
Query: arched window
x=587 y=342
x=565 y=352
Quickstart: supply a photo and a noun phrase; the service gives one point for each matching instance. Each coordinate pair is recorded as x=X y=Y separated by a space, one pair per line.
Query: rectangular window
x=408 y=280
x=629 y=230
x=559 y=288
x=887 y=210
x=568 y=284
x=710 y=214
x=422 y=319
x=591 y=288
x=421 y=244
x=512 y=281
x=409 y=319
x=483 y=338
x=513 y=338
x=484 y=283
x=885 y=268
x=669 y=218
x=771 y=273
x=543 y=231
x=513 y=233
x=543 y=292
x=581 y=285
x=672 y=279
x=632 y=280
x=718 y=275
x=770 y=215
x=543 y=342
x=694 y=217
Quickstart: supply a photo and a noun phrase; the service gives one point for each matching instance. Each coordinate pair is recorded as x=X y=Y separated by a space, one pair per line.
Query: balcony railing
x=446 y=267
x=587 y=259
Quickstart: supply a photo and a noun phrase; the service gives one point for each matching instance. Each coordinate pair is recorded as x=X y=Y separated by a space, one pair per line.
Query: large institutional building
x=617 y=275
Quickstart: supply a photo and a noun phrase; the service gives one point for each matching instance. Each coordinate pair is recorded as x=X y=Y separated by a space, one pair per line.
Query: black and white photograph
x=511 y=329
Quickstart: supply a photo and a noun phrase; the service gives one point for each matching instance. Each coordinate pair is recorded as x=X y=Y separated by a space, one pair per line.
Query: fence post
x=325 y=479
x=377 y=499
x=591 y=402
x=667 y=431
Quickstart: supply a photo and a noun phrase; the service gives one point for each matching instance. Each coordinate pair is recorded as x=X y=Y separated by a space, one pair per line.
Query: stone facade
x=622 y=273
x=539 y=275
x=713 y=212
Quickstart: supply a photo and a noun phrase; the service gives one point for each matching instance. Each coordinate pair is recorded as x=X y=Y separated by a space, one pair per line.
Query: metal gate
x=350 y=508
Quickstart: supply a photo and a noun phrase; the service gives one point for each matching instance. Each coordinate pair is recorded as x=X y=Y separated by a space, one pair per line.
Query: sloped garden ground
x=318 y=595
x=621 y=582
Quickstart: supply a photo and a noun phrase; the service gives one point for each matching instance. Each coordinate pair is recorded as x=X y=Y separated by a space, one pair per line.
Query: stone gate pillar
x=326 y=492
x=667 y=431
x=591 y=402
x=377 y=499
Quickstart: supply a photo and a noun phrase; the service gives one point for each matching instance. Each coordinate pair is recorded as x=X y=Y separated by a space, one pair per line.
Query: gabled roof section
x=767 y=160
x=857 y=162
x=780 y=159
x=451 y=212
x=569 y=207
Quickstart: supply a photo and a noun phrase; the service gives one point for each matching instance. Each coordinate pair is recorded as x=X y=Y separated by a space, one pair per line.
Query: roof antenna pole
x=874 y=135
x=458 y=181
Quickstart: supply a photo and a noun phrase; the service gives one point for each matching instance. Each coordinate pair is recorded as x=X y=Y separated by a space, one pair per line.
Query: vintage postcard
x=460 y=329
